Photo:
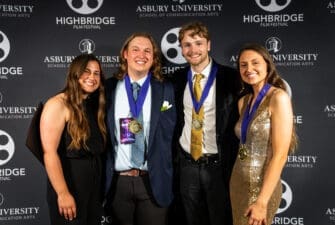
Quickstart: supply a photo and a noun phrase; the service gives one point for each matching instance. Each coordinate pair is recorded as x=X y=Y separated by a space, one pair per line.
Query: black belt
x=204 y=159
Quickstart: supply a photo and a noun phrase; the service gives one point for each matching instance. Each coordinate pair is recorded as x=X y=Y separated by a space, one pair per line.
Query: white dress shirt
x=209 y=124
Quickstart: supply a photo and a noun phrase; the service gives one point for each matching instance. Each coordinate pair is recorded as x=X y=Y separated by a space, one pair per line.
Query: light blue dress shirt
x=122 y=110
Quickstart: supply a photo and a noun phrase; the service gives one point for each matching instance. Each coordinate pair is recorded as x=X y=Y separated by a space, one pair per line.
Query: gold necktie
x=197 y=121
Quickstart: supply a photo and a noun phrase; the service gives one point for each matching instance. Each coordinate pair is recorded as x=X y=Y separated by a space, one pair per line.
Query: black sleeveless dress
x=82 y=171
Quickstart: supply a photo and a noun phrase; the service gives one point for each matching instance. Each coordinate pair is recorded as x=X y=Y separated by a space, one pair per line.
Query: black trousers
x=132 y=202
x=203 y=191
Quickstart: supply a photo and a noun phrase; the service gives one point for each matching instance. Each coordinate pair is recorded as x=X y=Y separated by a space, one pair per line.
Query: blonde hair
x=156 y=65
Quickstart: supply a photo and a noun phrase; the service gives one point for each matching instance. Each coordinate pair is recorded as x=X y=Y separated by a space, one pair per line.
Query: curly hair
x=156 y=65
x=77 y=126
x=197 y=28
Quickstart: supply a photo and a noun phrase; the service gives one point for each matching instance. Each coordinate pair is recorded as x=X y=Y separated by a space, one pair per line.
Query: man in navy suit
x=204 y=171
x=141 y=126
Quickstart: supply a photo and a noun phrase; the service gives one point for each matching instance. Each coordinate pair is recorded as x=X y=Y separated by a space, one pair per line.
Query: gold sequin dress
x=247 y=176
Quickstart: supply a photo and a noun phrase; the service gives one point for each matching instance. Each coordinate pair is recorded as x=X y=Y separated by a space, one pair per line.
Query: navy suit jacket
x=162 y=125
x=227 y=89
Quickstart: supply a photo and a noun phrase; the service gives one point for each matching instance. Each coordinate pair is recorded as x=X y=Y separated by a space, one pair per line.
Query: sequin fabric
x=247 y=176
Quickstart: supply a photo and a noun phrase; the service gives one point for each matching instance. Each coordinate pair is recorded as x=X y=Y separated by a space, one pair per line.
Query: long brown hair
x=272 y=78
x=77 y=126
x=156 y=65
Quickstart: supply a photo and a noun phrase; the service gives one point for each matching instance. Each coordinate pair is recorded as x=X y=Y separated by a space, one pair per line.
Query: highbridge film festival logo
x=287 y=199
x=7 y=150
x=85 y=22
x=273 y=18
x=7 y=71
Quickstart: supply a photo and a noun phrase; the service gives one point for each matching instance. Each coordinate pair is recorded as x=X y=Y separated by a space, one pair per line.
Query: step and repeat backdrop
x=38 y=40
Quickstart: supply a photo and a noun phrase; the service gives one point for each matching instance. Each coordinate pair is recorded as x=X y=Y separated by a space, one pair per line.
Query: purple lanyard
x=197 y=105
x=136 y=107
x=247 y=116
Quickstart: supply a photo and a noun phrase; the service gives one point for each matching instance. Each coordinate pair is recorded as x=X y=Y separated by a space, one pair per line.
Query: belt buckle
x=138 y=172
x=135 y=172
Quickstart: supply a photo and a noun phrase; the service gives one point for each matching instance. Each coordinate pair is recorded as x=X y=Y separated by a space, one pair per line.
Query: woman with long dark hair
x=73 y=135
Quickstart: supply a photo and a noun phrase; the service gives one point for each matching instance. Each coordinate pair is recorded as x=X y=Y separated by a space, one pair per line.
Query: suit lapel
x=219 y=101
x=111 y=106
x=156 y=101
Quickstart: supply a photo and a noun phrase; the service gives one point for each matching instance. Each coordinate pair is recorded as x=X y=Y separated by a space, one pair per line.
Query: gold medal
x=196 y=124
x=242 y=152
x=134 y=126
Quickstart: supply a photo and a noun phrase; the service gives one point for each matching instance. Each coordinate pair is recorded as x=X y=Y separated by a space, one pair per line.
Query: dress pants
x=133 y=202
x=203 y=191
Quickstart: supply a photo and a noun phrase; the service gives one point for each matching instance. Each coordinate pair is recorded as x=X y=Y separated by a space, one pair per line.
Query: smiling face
x=90 y=79
x=139 y=56
x=253 y=68
x=195 y=50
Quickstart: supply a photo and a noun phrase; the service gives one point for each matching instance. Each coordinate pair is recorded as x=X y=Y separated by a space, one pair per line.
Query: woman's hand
x=257 y=214
x=67 y=206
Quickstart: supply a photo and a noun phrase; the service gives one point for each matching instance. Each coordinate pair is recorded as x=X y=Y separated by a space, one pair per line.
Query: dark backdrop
x=38 y=40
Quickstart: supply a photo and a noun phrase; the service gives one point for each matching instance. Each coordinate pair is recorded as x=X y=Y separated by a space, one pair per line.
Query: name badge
x=126 y=136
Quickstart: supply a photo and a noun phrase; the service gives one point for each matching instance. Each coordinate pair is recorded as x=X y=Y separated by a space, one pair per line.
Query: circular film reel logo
x=170 y=46
x=84 y=6
x=4 y=46
x=6 y=147
x=86 y=46
x=273 y=44
x=286 y=198
x=2 y=199
x=273 y=6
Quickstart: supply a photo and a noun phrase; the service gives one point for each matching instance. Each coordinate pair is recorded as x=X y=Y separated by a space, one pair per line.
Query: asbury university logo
x=179 y=8
x=4 y=46
x=179 y=1
x=84 y=6
x=86 y=46
x=273 y=44
x=273 y=5
x=17 y=213
x=6 y=147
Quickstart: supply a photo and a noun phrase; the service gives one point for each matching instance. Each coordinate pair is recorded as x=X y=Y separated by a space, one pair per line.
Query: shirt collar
x=206 y=71
x=140 y=81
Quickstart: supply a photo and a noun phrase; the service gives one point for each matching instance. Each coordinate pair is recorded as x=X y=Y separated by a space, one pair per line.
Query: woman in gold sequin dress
x=266 y=133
